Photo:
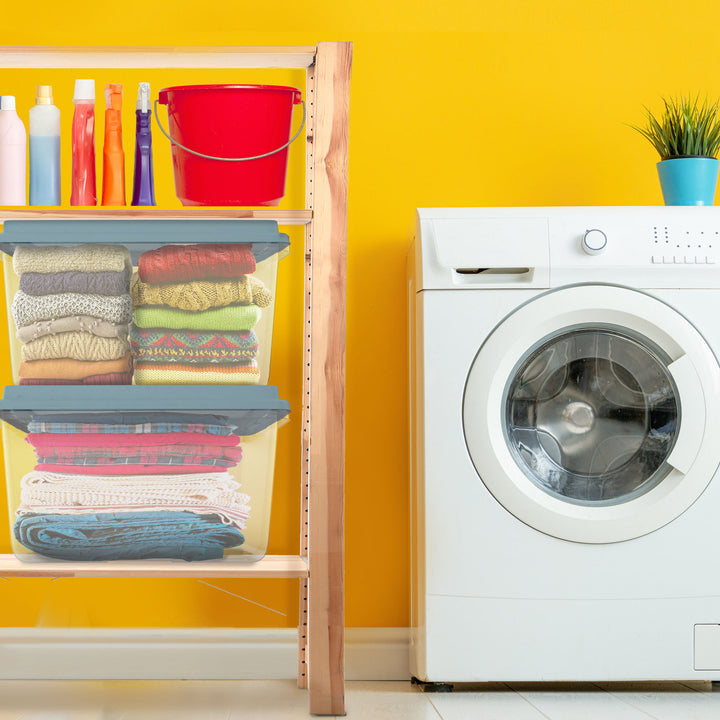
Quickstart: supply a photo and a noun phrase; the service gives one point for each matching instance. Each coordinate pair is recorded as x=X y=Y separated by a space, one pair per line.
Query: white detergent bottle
x=44 y=149
x=13 y=144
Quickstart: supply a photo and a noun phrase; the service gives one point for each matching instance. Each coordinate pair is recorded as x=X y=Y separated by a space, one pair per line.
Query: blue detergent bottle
x=44 y=149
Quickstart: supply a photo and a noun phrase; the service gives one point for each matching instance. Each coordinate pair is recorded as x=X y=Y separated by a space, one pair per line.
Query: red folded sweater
x=178 y=263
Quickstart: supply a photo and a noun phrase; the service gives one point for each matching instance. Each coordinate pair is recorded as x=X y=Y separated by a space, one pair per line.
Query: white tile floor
x=281 y=700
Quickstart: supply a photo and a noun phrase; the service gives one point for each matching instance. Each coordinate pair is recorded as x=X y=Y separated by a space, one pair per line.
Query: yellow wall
x=459 y=103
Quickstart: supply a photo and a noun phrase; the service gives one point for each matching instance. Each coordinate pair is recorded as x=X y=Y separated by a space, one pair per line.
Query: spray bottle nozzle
x=143 y=101
x=113 y=96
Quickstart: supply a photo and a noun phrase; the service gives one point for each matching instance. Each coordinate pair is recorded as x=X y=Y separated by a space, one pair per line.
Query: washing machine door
x=591 y=413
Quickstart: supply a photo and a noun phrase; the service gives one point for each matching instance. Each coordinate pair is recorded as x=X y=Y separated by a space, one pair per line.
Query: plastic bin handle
x=226 y=159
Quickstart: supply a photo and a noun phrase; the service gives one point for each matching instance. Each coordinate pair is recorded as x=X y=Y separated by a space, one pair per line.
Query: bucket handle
x=226 y=159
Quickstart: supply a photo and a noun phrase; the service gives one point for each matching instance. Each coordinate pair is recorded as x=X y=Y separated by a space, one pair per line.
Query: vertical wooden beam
x=307 y=370
x=328 y=254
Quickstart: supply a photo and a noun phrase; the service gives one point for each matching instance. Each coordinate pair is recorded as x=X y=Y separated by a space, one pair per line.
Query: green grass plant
x=687 y=127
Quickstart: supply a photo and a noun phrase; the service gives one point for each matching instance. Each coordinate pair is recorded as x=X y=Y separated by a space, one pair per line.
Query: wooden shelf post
x=325 y=263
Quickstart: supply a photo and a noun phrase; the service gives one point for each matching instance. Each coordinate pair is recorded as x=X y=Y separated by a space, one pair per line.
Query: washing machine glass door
x=588 y=413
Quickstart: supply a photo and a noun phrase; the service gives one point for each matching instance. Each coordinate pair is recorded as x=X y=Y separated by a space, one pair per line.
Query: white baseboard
x=188 y=654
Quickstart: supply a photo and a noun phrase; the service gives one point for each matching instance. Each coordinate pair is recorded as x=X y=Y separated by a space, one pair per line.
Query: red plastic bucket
x=233 y=124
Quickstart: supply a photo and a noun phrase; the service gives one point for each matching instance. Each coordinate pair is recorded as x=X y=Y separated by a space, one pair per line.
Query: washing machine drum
x=589 y=413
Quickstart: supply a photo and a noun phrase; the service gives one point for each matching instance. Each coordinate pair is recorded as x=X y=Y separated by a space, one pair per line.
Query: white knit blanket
x=45 y=492
x=85 y=258
x=27 y=309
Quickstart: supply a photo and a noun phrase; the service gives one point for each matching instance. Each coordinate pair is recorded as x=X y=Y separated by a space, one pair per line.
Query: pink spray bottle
x=83 y=145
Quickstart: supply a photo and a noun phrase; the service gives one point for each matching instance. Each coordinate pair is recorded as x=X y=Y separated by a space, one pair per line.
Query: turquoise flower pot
x=688 y=180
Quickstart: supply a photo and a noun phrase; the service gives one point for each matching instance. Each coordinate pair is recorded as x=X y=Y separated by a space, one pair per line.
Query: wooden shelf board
x=22 y=57
x=271 y=566
x=283 y=217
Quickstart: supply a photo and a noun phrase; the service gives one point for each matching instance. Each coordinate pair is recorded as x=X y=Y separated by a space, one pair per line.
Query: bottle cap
x=84 y=90
x=43 y=95
x=8 y=102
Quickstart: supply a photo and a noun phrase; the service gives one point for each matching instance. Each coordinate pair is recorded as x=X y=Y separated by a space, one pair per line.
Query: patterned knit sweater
x=166 y=345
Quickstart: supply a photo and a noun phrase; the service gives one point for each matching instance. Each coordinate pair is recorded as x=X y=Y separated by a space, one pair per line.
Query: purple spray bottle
x=143 y=180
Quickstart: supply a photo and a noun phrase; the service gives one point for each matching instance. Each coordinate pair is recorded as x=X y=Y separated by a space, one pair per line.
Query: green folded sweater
x=232 y=317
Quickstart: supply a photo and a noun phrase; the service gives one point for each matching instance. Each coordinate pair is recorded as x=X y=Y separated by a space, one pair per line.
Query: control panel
x=675 y=245
x=643 y=247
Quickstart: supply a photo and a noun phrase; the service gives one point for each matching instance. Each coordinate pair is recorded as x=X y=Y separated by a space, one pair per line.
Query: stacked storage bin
x=195 y=309
x=71 y=312
x=111 y=473
x=151 y=479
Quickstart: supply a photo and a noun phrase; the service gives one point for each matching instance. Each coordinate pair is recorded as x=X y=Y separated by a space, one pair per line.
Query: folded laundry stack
x=194 y=308
x=137 y=488
x=71 y=312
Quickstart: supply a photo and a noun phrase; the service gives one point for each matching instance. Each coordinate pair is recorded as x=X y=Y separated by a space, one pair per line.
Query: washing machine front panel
x=586 y=410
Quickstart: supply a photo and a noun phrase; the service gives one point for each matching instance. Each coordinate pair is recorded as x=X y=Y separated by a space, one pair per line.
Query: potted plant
x=687 y=138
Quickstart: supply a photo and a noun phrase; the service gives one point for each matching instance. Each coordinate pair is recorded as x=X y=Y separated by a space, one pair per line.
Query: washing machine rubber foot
x=432 y=687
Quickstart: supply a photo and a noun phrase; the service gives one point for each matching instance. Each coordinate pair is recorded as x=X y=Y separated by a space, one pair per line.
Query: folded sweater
x=148 y=373
x=76 y=345
x=27 y=309
x=232 y=317
x=104 y=379
x=177 y=263
x=84 y=323
x=201 y=294
x=98 y=283
x=167 y=345
x=73 y=369
x=85 y=258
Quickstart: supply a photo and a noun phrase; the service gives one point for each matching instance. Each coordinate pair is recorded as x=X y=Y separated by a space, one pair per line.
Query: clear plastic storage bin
x=113 y=473
x=152 y=302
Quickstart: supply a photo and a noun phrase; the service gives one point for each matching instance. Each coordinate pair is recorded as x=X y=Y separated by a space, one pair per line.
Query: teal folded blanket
x=127 y=535
x=232 y=317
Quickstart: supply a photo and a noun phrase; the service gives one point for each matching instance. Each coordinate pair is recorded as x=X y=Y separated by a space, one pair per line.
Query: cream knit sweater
x=75 y=345
x=27 y=309
x=86 y=258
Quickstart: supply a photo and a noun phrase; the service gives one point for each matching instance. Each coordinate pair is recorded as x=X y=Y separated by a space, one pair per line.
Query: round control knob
x=594 y=241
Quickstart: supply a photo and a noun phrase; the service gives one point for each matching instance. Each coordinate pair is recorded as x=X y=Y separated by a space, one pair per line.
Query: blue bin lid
x=139 y=236
x=249 y=408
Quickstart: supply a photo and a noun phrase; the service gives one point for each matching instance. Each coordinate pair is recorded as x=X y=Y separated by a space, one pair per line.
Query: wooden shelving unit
x=320 y=565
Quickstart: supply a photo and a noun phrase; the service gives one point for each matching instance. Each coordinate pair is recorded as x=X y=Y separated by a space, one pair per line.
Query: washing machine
x=565 y=424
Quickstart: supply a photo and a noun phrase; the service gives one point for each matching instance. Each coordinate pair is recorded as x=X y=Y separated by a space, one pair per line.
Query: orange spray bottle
x=113 y=192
